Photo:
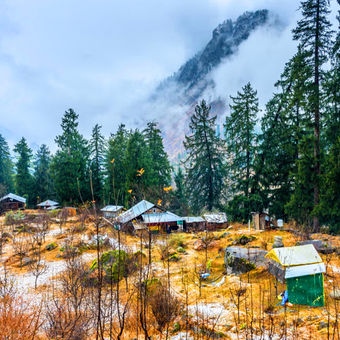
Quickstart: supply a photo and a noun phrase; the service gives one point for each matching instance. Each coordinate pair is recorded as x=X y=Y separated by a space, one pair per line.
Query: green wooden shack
x=302 y=269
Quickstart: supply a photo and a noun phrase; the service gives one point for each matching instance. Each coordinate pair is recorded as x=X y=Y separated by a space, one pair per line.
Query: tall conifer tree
x=241 y=147
x=179 y=202
x=97 y=148
x=284 y=123
x=139 y=169
x=6 y=168
x=205 y=161
x=160 y=162
x=70 y=164
x=43 y=187
x=115 y=167
x=23 y=177
x=313 y=32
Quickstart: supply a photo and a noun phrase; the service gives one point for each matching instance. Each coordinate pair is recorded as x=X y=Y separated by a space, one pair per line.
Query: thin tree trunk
x=316 y=224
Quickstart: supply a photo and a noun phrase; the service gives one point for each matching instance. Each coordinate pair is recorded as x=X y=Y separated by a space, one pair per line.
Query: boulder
x=26 y=261
x=335 y=294
x=6 y=235
x=198 y=245
x=278 y=242
x=243 y=240
x=316 y=243
x=322 y=325
x=241 y=260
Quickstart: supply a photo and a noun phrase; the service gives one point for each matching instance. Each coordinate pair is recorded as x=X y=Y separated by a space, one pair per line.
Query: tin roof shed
x=137 y=210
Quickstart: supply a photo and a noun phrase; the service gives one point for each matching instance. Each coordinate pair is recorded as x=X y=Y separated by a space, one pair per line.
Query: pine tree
x=330 y=194
x=160 y=162
x=336 y=48
x=179 y=199
x=285 y=121
x=204 y=163
x=241 y=147
x=299 y=206
x=6 y=167
x=115 y=167
x=139 y=169
x=97 y=148
x=330 y=184
x=43 y=187
x=71 y=162
x=23 y=176
x=314 y=35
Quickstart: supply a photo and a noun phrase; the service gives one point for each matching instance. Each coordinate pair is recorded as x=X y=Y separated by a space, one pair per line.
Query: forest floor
x=233 y=306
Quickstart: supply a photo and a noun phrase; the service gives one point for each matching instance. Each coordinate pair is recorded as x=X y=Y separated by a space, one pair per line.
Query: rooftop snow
x=137 y=210
x=14 y=197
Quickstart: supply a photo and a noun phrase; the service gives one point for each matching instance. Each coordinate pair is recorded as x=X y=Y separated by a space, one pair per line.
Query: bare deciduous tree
x=165 y=307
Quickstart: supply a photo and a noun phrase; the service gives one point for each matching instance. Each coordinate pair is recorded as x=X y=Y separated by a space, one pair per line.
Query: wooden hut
x=112 y=211
x=134 y=215
x=48 y=205
x=216 y=220
x=261 y=221
x=194 y=223
x=12 y=202
x=164 y=221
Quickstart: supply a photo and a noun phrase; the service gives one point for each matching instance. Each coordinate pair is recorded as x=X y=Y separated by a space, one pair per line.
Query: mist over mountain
x=194 y=80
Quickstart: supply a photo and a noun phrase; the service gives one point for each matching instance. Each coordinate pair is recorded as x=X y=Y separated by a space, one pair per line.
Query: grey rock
x=225 y=38
x=322 y=325
x=278 y=242
x=316 y=243
x=26 y=261
x=335 y=294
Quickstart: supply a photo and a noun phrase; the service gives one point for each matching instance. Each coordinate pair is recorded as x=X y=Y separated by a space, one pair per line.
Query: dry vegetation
x=61 y=278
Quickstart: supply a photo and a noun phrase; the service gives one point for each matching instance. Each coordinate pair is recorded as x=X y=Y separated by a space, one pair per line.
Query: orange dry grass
x=17 y=322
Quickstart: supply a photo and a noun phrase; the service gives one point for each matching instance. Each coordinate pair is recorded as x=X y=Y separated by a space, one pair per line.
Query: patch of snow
x=335 y=269
x=219 y=283
x=54 y=232
x=182 y=336
x=211 y=310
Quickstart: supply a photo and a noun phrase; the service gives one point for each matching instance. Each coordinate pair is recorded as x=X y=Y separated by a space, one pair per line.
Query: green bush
x=112 y=262
x=244 y=239
x=51 y=246
x=174 y=258
x=12 y=217
x=177 y=240
x=181 y=250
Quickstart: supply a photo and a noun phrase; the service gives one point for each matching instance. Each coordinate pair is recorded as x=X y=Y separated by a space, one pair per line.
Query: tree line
x=287 y=162
x=129 y=166
x=291 y=164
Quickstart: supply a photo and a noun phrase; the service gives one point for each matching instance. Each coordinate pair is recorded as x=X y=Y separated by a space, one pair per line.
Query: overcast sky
x=100 y=57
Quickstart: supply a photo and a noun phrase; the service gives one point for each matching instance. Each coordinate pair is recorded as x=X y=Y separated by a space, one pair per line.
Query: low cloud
x=105 y=59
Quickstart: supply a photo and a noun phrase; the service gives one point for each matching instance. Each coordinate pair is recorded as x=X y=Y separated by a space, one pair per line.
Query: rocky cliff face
x=225 y=40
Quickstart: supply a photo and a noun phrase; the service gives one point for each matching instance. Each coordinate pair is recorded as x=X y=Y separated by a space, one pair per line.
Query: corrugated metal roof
x=220 y=217
x=112 y=208
x=193 y=219
x=308 y=269
x=295 y=256
x=14 y=197
x=137 y=210
x=165 y=217
x=47 y=203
